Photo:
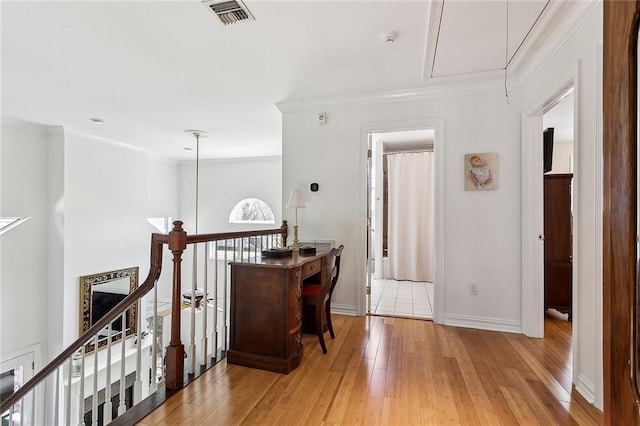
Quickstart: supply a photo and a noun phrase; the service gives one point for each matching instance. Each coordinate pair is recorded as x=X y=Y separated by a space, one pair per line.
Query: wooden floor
x=395 y=371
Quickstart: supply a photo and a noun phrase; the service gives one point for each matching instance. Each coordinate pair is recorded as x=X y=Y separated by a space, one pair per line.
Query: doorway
x=559 y=181
x=559 y=146
x=15 y=371
x=401 y=239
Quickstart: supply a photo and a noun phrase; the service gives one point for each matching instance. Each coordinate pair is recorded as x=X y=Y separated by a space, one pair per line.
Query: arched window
x=251 y=210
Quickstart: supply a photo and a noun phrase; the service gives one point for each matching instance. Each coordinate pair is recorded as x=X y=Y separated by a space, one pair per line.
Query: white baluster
x=137 y=387
x=205 y=306
x=67 y=396
x=107 y=410
x=81 y=394
x=214 y=330
x=191 y=351
x=94 y=398
x=31 y=403
x=154 y=345
x=123 y=334
x=21 y=414
x=56 y=407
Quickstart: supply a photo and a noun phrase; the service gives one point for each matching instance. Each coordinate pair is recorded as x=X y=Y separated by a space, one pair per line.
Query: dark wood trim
x=174 y=373
x=620 y=211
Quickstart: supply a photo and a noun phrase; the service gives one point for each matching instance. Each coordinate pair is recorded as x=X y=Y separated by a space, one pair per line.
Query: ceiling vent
x=229 y=12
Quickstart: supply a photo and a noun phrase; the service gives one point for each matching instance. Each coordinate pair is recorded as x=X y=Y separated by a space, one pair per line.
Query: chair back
x=331 y=272
x=335 y=271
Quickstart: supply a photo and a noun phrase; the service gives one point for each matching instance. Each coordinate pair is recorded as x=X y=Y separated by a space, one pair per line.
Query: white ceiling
x=152 y=70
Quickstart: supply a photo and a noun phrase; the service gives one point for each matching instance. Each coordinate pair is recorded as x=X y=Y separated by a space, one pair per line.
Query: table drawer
x=294 y=317
x=295 y=340
x=311 y=268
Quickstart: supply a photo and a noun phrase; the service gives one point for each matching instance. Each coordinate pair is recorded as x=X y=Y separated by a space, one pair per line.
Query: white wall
x=562 y=158
x=578 y=59
x=55 y=250
x=481 y=228
x=162 y=188
x=23 y=265
x=88 y=201
x=223 y=183
x=110 y=191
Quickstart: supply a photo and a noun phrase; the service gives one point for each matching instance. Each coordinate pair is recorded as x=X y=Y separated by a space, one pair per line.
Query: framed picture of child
x=480 y=171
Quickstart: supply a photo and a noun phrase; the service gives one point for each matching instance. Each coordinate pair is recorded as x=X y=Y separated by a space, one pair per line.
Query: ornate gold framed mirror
x=99 y=293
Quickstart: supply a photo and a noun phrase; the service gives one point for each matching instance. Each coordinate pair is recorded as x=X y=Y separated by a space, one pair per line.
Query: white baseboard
x=586 y=389
x=483 y=323
x=350 y=310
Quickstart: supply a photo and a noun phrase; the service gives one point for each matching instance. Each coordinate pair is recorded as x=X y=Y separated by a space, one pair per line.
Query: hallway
x=381 y=370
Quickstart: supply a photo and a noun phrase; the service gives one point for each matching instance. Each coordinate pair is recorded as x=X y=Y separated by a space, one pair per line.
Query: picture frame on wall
x=481 y=171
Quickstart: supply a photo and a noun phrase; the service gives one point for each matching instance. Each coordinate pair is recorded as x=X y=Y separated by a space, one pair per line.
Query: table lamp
x=295 y=202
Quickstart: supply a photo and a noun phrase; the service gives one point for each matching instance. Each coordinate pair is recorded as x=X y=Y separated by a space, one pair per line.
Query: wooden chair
x=334 y=281
x=314 y=299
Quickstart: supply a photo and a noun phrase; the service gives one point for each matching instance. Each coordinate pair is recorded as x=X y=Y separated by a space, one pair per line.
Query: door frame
x=29 y=358
x=533 y=210
x=437 y=124
x=620 y=212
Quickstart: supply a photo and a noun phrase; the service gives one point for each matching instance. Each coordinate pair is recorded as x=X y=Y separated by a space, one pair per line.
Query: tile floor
x=402 y=298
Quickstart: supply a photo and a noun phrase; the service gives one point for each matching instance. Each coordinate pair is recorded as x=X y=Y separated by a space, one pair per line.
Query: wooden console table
x=266 y=310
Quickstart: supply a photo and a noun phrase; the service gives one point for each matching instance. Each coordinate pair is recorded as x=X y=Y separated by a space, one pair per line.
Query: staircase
x=109 y=376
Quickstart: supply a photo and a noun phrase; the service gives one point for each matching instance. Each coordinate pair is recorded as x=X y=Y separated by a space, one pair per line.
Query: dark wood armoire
x=558 y=254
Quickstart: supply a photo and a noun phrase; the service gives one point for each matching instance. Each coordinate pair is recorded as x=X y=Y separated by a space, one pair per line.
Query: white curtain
x=410 y=233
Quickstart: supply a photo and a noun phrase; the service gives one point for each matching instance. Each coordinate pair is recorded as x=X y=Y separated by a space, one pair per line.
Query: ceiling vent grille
x=229 y=12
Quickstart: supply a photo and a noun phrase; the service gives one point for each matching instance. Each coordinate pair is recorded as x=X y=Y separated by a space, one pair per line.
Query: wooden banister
x=203 y=238
x=157 y=240
x=177 y=241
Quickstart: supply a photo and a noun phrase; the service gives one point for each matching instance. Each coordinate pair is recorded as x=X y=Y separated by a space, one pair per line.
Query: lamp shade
x=295 y=200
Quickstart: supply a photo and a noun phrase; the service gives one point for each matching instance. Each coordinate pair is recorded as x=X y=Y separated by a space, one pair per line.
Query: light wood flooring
x=395 y=371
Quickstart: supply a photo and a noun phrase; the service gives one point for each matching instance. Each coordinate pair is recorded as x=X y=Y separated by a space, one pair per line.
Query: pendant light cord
x=197 y=176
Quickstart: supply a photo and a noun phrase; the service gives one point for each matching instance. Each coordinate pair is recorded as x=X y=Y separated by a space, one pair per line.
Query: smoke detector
x=229 y=12
x=388 y=37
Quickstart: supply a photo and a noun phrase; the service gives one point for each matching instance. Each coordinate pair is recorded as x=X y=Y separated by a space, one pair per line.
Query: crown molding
x=106 y=141
x=567 y=23
x=482 y=83
x=536 y=36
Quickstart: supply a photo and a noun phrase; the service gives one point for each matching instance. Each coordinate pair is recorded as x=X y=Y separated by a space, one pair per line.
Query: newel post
x=175 y=350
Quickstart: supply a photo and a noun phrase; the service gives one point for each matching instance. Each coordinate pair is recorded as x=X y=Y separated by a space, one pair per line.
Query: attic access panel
x=474 y=36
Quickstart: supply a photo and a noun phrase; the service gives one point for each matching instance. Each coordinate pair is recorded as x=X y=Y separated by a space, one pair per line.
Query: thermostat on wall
x=314 y=187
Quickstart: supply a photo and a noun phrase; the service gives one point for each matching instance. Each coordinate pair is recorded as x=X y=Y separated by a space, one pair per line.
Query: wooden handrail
x=203 y=238
x=157 y=240
x=177 y=241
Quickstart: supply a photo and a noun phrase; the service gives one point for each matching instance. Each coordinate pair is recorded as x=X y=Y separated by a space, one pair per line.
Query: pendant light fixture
x=195 y=296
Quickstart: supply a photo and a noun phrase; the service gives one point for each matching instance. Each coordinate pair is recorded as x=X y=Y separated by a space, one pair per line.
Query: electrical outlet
x=473 y=289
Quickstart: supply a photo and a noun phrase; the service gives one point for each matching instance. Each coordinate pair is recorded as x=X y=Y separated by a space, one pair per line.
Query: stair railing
x=73 y=357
